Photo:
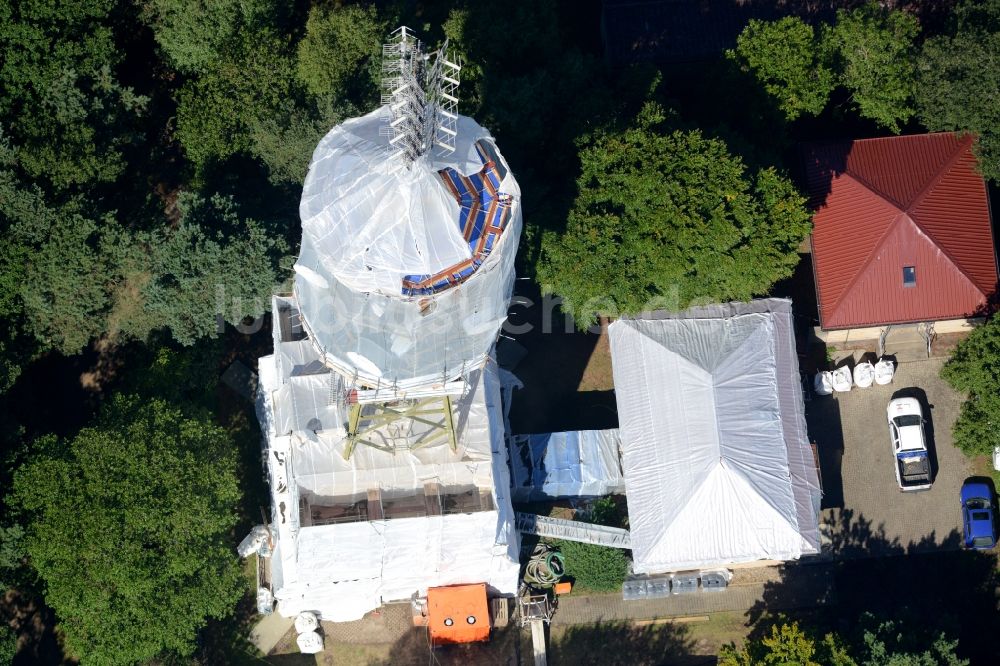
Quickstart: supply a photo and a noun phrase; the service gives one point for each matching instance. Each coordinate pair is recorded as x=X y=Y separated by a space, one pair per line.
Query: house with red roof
x=901 y=231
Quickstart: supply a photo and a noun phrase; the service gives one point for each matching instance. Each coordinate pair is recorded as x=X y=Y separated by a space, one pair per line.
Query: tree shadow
x=612 y=643
x=927 y=585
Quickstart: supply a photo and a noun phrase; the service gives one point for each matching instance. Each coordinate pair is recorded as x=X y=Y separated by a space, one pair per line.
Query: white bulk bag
x=841 y=379
x=823 y=384
x=884 y=371
x=310 y=643
x=306 y=622
x=864 y=374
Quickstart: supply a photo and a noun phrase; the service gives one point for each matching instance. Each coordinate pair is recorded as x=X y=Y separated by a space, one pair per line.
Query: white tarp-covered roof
x=580 y=463
x=368 y=221
x=717 y=465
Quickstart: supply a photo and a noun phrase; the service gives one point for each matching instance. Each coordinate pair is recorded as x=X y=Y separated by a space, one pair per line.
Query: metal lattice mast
x=421 y=92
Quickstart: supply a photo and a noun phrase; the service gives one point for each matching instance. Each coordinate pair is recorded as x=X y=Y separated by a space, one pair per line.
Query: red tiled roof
x=882 y=204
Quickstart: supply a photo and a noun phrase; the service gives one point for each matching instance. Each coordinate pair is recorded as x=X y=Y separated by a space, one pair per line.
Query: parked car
x=909 y=448
x=978 y=515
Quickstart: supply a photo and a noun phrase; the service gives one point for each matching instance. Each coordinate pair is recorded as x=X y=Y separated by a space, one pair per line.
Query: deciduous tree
x=786 y=57
x=875 y=52
x=959 y=80
x=131 y=530
x=666 y=218
x=974 y=369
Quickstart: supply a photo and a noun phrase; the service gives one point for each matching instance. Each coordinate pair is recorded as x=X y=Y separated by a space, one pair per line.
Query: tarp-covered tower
x=381 y=404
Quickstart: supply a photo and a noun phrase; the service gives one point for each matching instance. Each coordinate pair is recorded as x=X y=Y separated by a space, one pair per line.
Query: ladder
x=571 y=530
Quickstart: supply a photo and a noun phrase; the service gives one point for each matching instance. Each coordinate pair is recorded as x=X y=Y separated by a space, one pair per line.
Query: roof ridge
x=739 y=473
x=947 y=255
x=878 y=244
x=963 y=144
x=919 y=197
x=860 y=180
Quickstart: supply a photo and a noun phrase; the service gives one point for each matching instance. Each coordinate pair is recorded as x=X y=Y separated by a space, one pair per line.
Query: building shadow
x=552 y=369
x=826 y=432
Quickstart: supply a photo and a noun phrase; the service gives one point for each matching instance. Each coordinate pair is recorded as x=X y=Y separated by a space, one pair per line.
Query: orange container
x=564 y=588
x=458 y=614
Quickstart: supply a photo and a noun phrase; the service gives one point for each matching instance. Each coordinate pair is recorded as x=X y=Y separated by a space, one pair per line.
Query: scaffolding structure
x=420 y=91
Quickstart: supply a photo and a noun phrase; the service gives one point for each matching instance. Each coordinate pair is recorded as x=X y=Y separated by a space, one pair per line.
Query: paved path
x=866 y=513
x=792 y=587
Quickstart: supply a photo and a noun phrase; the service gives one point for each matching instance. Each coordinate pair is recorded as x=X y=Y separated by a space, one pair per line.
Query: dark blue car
x=978 y=515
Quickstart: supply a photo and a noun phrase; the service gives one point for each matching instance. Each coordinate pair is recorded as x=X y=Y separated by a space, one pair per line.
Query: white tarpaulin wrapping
x=583 y=463
x=716 y=462
x=346 y=569
x=366 y=224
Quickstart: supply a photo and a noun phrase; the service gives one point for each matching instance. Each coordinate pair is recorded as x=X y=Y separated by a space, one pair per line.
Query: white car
x=909 y=448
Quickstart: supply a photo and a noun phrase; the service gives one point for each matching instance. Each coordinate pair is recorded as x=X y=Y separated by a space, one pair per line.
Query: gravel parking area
x=865 y=513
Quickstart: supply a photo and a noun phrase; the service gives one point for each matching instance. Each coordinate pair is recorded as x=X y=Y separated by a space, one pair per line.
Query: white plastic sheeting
x=716 y=462
x=367 y=223
x=346 y=569
x=583 y=463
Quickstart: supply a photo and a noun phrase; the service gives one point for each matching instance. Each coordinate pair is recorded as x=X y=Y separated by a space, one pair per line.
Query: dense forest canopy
x=151 y=160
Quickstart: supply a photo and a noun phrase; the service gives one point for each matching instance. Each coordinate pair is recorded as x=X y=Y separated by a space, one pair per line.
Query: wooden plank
x=432 y=498
x=375 y=504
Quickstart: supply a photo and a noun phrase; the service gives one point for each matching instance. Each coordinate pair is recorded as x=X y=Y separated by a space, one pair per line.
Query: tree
x=251 y=79
x=869 y=51
x=974 y=369
x=785 y=56
x=8 y=645
x=193 y=33
x=666 y=218
x=786 y=645
x=889 y=643
x=67 y=114
x=874 y=50
x=131 y=530
x=959 y=80
x=213 y=264
x=341 y=52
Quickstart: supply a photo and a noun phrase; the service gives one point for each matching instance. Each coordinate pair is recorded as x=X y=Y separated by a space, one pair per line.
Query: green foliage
x=667 y=218
x=592 y=567
x=193 y=33
x=213 y=263
x=252 y=78
x=8 y=645
x=131 y=531
x=875 y=53
x=888 y=643
x=787 y=645
x=881 y=643
x=341 y=51
x=974 y=369
x=869 y=50
x=785 y=56
x=66 y=112
x=957 y=86
x=11 y=554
